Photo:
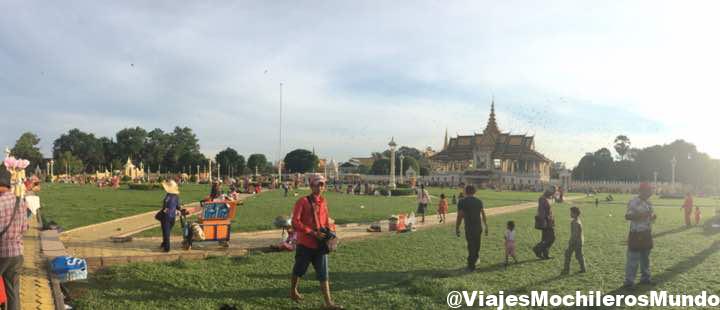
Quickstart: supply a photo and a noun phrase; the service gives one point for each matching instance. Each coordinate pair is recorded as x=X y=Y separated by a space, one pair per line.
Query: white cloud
x=356 y=73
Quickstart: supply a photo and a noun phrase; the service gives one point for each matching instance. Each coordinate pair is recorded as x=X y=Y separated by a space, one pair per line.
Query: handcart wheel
x=186 y=246
x=224 y=244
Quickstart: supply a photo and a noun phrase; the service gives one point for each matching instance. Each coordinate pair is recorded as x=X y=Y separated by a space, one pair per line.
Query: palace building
x=492 y=157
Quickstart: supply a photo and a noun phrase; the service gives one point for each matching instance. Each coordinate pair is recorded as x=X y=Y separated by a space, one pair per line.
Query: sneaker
x=627 y=285
x=647 y=282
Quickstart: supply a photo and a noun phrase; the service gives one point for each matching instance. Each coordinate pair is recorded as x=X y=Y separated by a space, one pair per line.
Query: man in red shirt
x=309 y=215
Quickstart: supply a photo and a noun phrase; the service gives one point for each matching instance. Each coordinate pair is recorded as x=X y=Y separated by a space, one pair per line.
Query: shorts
x=421 y=208
x=305 y=256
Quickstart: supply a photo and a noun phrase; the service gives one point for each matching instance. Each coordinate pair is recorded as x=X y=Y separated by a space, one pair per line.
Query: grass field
x=258 y=212
x=418 y=270
x=72 y=205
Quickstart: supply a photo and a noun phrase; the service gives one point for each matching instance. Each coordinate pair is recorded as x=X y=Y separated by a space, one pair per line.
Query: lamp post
x=52 y=168
x=655 y=174
x=402 y=157
x=280 y=140
x=673 y=162
x=197 y=180
x=392 y=146
x=209 y=170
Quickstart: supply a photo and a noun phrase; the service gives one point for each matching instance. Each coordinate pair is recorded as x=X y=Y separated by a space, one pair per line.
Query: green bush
x=402 y=192
x=144 y=187
x=193 y=178
x=125 y=179
x=403 y=186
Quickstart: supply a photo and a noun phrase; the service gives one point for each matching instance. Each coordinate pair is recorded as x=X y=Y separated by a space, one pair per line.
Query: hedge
x=402 y=192
x=144 y=186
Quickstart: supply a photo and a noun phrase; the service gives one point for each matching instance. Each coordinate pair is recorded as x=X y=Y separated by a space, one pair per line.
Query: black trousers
x=10 y=269
x=546 y=241
x=167 y=226
x=473 y=247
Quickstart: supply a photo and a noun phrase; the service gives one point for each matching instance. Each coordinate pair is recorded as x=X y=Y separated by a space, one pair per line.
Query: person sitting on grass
x=576 y=242
x=510 y=242
x=442 y=208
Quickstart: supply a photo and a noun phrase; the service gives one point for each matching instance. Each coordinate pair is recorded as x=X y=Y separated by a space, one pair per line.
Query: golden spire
x=492 y=126
x=446 y=139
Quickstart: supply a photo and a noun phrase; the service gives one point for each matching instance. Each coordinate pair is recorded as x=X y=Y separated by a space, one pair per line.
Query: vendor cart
x=214 y=222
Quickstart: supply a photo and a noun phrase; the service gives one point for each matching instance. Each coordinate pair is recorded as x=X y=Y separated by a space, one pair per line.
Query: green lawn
x=258 y=212
x=72 y=205
x=417 y=270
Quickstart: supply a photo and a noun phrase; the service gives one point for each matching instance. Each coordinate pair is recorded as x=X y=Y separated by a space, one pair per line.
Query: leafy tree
x=300 y=161
x=69 y=163
x=184 y=150
x=109 y=152
x=230 y=158
x=256 y=161
x=380 y=167
x=622 y=146
x=362 y=169
x=130 y=143
x=157 y=145
x=407 y=163
x=26 y=148
x=82 y=145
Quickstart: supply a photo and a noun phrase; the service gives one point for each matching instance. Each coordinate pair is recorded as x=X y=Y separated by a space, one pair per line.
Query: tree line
x=159 y=151
x=642 y=164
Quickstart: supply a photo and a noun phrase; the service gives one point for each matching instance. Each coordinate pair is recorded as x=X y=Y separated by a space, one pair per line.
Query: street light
x=402 y=157
x=392 y=146
x=673 y=162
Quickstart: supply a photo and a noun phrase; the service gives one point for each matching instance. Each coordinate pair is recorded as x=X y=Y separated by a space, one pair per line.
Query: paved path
x=35 y=291
x=241 y=242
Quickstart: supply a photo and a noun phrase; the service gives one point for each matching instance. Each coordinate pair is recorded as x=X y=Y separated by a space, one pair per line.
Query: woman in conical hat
x=171 y=204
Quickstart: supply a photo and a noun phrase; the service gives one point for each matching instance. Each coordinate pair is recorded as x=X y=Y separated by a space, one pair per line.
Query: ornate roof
x=502 y=145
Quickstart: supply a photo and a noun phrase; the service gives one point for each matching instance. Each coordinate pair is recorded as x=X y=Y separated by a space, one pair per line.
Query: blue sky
x=355 y=73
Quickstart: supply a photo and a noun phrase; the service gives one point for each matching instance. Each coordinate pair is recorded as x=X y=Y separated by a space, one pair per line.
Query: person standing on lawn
x=12 y=216
x=471 y=210
x=423 y=199
x=641 y=215
x=442 y=208
x=576 y=242
x=171 y=205
x=310 y=213
x=688 y=208
x=545 y=221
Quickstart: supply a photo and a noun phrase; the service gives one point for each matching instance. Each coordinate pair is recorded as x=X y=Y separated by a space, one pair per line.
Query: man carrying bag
x=311 y=221
x=13 y=223
x=640 y=214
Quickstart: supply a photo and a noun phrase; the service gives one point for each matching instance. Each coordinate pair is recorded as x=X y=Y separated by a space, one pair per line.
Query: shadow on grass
x=672 y=231
x=669 y=274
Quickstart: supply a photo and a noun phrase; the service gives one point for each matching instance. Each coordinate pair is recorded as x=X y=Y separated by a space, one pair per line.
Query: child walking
x=576 y=242
x=510 y=243
x=697 y=215
x=442 y=208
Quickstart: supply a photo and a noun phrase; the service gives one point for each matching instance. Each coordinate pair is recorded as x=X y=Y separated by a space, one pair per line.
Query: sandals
x=296 y=297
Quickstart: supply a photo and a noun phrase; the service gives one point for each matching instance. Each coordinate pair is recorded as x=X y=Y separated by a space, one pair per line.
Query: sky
x=575 y=74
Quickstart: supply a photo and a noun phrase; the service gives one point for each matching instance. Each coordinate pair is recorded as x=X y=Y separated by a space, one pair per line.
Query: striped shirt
x=11 y=242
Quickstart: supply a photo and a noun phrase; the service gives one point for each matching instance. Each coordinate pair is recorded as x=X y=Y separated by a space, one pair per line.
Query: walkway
x=240 y=242
x=35 y=291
